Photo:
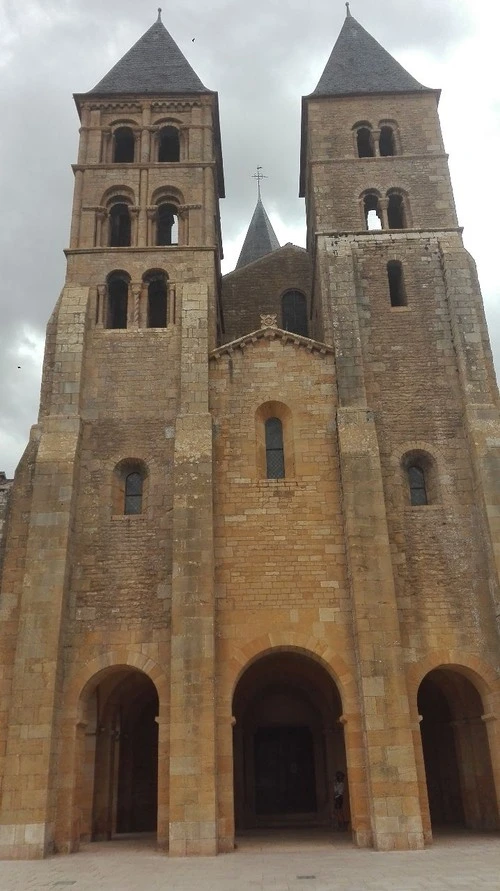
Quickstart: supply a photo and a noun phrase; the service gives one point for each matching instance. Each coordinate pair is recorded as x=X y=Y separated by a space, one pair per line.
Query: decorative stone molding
x=180 y=105
x=269 y=320
x=271 y=334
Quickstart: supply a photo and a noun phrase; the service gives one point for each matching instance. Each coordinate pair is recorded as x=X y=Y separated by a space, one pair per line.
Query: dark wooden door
x=284 y=771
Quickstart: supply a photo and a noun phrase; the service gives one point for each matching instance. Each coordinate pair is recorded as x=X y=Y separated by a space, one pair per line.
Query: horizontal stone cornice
x=385 y=234
x=380 y=159
x=153 y=249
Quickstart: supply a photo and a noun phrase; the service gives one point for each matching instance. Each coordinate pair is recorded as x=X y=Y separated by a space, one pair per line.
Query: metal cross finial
x=259 y=177
x=348 y=10
x=159 y=13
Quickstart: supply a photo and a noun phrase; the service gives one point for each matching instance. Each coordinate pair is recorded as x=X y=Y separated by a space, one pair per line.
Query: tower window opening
x=157 y=302
x=417 y=485
x=294 y=313
x=364 y=139
x=167 y=225
x=120 y=228
x=169 y=149
x=396 y=283
x=117 y=303
x=275 y=455
x=373 y=214
x=133 y=493
x=123 y=146
x=387 y=142
x=396 y=212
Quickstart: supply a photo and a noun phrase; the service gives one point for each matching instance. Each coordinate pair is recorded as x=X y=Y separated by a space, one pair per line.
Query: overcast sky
x=261 y=56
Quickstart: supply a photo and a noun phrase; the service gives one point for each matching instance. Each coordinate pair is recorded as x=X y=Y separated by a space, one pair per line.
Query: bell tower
x=119 y=467
x=397 y=295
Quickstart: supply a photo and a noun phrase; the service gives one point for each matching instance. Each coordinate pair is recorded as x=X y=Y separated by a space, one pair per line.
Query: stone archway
x=458 y=767
x=288 y=743
x=118 y=755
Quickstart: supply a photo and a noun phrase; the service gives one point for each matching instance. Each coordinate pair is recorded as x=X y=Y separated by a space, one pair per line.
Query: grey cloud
x=261 y=57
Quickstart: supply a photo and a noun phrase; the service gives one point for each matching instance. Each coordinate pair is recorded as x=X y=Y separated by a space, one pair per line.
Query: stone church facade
x=254 y=538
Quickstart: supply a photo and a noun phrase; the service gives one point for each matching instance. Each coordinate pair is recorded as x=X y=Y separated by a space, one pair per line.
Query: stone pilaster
x=27 y=813
x=388 y=741
x=192 y=711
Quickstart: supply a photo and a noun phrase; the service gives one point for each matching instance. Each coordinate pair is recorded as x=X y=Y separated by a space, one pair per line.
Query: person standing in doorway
x=339 y=820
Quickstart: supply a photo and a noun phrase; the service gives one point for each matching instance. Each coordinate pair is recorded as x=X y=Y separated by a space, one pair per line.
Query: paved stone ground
x=287 y=863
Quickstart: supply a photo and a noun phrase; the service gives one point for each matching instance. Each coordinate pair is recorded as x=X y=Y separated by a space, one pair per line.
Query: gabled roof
x=155 y=64
x=260 y=238
x=359 y=64
x=271 y=332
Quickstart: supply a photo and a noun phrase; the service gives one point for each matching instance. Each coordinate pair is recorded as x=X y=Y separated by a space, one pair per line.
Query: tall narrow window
x=373 y=214
x=133 y=493
x=123 y=146
x=169 y=145
x=396 y=283
x=417 y=485
x=120 y=228
x=275 y=456
x=167 y=230
x=157 y=302
x=294 y=312
x=364 y=140
x=387 y=142
x=396 y=211
x=117 y=303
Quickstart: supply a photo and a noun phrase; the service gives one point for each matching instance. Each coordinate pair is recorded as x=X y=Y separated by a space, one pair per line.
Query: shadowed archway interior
x=288 y=743
x=460 y=784
x=120 y=758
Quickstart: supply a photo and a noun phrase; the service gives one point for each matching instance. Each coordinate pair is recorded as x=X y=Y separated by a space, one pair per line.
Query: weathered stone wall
x=5 y=487
x=420 y=169
x=257 y=289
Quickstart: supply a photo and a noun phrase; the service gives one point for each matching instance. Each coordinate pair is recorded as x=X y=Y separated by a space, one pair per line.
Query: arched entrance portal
x=288 y=744
x=460 y=784
x=118 y=792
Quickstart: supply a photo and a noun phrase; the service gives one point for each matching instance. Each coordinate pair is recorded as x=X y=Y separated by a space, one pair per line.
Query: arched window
x=169 y=145
x=396 y=216
x=294 y=312
x=117 y=301
x=396 y=283
x=167 y=227
x=364 y=139
x=372 y=211
x=120 y=226
x=421 y=477
x=417 y=485
x=133 y=493
x=275 y=455
x=123 y=146
x=157 y=301
x=387 y=141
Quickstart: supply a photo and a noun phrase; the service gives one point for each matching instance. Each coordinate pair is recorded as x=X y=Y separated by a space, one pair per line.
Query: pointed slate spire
x=155 y=64
x=359 y=64
x=260 y=238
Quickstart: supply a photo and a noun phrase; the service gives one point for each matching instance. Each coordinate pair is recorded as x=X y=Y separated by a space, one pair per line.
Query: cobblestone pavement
x=287 y=863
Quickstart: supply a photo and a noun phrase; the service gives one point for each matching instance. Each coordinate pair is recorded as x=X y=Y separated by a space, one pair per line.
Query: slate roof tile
x=359 y=64
x=155 y=64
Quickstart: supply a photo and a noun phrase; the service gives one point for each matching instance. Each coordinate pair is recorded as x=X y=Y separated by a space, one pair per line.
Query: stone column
x=193 y=825
x=77 y=207
x=134 y=215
